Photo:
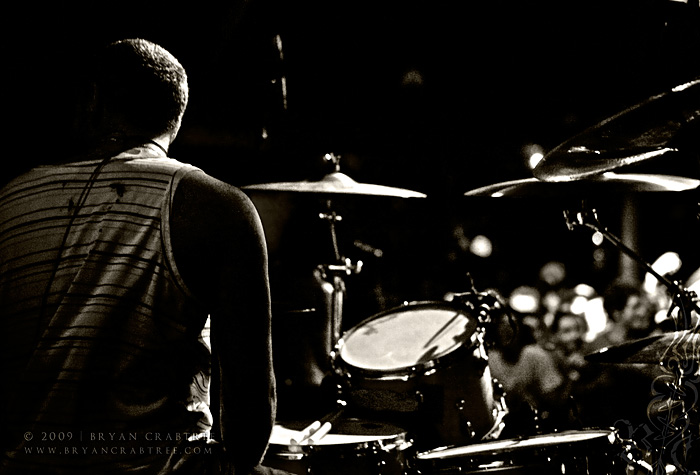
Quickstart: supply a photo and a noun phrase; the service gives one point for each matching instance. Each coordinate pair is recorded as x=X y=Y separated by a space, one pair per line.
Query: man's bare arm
x=219 y=248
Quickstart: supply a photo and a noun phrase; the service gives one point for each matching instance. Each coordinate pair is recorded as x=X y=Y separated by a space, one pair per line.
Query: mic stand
x=683 y=299
x=686 y=299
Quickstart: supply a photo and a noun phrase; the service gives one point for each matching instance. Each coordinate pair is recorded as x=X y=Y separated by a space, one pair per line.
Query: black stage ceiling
x=437 y=97
x=433 y=96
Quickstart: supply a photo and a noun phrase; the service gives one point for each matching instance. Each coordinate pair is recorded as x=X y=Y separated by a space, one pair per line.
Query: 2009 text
x=56 y=436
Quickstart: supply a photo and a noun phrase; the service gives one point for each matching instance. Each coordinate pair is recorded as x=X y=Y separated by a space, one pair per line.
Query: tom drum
x=423 y=366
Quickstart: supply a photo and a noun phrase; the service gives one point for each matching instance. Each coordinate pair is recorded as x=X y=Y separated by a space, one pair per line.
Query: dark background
x=437 y=97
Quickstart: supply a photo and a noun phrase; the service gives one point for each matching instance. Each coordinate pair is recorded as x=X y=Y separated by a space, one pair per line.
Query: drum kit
x=413 y=393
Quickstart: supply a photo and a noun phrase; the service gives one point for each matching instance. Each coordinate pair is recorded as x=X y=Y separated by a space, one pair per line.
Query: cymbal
x=336 y=183
x=605 y=183
x=636 y=134
x=681 y=346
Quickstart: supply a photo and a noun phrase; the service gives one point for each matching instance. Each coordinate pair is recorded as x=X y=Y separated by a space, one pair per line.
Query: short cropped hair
x=616 y=296
x=559 y=316
x=143 y=84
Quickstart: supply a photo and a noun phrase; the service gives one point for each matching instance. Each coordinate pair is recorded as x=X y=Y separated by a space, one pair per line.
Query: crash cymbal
x=637 y=134
x=605 y=183
x=336 y=183
x=680 y=346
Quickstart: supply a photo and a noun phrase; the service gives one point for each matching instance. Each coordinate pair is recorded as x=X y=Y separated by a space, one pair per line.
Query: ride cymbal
x=605 y=183
x=637 y=134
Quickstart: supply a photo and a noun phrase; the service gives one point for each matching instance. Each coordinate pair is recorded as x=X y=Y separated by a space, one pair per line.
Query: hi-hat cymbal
x=336 y=183
x=637 y=134
x=604 y=184
x=682 y=346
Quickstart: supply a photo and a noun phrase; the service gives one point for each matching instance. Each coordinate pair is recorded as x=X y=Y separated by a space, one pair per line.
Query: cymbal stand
x=332 y=275
x=686 y=375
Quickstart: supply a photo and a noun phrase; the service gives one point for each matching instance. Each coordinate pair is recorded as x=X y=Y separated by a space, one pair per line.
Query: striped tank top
x=103 y=363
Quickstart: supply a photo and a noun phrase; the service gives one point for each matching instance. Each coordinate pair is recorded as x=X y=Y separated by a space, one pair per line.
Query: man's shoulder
x=200 y=186
x=203 y=200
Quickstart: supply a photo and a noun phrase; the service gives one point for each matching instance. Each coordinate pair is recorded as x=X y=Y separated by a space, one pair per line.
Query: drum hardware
x=680 y=355
x=634 y=457
x=500 y=411
x=420 y=399
x=332 y=275
x=466 y=423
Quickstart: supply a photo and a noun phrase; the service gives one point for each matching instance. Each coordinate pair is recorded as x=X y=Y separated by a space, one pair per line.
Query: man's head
x=569 y=331
x=139 y=89
x=630 y=308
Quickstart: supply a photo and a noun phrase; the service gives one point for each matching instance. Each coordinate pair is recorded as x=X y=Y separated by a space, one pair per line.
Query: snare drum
x=352 y=447
x=422 y=366
x=572 y=452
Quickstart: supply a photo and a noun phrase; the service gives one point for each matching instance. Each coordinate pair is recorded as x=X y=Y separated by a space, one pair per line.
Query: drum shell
x=597 y=452
x=375 y=456
x=448 y=400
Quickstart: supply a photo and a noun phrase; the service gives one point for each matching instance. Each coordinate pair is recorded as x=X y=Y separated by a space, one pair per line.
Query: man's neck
x=115 y=144
x=163 y=141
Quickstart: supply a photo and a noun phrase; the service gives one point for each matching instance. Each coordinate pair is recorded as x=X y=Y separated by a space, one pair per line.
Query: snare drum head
x=346 y=431
x=352 y=447
x=406 y=337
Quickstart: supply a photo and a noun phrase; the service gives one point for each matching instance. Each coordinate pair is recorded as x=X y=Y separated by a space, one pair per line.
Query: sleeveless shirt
x=100 y=339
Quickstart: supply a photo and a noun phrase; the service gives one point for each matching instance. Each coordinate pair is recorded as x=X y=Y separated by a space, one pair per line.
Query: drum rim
x=412 y=370
x=603 y=434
